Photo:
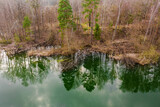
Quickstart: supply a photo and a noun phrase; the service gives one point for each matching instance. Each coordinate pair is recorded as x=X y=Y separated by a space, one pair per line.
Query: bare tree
x=117 y=22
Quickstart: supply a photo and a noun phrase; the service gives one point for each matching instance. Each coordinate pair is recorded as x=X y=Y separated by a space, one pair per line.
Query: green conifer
x=65 y=16
x=97 y=31
x=90 y=11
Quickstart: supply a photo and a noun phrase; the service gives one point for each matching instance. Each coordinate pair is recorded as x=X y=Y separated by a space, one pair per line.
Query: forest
x=126 y=30
x=79 y=53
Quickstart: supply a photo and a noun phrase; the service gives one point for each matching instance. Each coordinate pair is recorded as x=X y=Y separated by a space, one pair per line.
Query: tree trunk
x=119 y=14
x=67 y=40
x=90 y=20
x=91 y=28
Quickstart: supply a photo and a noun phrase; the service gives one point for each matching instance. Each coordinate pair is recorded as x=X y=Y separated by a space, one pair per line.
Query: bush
x=85 y=27
x=141 y=39
x=4 y=41
x=28 y=38
x=151 y=55
x=17 y=38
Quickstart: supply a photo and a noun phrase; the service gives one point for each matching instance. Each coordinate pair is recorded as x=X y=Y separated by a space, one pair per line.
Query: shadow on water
x=92 y=71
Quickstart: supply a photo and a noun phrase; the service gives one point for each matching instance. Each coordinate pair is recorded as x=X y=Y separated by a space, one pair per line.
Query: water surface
x=78 y=81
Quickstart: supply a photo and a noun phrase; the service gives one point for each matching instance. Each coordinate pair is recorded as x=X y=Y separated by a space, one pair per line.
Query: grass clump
x=4 y=41
x=150 y=55
x=28 y=38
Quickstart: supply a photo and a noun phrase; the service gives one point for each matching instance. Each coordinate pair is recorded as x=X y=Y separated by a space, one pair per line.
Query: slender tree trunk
x=90 y=20
x=119 y=14
x=67 y=39
x=91 y=27
x=37 y=20
x=154 y=11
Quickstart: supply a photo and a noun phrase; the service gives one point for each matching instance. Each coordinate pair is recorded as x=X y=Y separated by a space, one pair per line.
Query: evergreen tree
x=65 y=16
x=90 y=9
x=97 y=31
x=27 y=25
x=26 y=22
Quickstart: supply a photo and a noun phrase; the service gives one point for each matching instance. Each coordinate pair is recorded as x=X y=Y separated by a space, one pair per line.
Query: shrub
x=17 y=38
x=28 y=38
x=141 y=38
x=111 y=24
x=85 y=27
x=151 y=55
x=4 y=41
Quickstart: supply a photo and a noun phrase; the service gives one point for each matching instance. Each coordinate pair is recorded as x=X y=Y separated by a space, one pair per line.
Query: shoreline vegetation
x=125 y=30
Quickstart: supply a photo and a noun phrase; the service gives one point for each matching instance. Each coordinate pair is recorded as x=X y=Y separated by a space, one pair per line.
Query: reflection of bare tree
x=75 y=60
x=91 y=73
x=27 y=70
x=94 y=72
x=69 y=64
x=140 y=79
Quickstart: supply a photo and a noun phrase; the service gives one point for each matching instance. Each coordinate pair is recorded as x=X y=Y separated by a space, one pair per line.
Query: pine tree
x=97 y=31
x=90 y=9
x=65 y=16
x=27 y=25
x=26 y=22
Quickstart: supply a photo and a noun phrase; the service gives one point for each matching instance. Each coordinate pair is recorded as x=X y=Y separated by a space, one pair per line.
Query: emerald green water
x=81 y=81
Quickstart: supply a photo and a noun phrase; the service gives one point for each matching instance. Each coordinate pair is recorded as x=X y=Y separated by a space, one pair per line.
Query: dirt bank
x=124 y=50
x=119 y=50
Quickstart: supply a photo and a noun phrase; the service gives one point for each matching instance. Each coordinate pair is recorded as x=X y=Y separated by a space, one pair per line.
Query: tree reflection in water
x=141 y=79
x=28 y=70
x=94 y=71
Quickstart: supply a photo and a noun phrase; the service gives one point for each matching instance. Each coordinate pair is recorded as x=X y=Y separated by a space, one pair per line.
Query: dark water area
x=91 y=80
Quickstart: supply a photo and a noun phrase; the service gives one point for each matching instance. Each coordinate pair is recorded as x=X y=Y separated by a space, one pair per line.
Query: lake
x=80 y=80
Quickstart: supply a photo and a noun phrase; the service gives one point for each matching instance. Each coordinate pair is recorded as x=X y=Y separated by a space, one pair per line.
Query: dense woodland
x=116 y=27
